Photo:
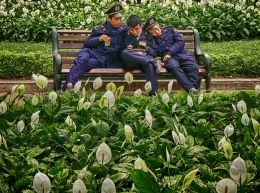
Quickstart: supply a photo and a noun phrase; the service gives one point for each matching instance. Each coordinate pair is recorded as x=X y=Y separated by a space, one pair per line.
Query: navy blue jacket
x=107 y=55
x=171 y=42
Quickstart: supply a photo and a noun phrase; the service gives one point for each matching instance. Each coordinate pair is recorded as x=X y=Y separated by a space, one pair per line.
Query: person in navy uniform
x=169 y=45
x=137 y=54
x=101 y=49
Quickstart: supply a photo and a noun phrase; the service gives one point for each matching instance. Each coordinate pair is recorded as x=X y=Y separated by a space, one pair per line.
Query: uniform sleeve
x=151 y=51
x=178 y=43
x=151 y=47
x=93 y=40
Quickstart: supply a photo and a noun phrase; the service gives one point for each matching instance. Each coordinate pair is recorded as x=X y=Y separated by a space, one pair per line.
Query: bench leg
x=57 y=82
x=199 y=83
x=208 y=82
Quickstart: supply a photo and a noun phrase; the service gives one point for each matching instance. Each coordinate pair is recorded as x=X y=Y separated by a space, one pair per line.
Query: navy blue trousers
x=134 y=60
x=179 y=67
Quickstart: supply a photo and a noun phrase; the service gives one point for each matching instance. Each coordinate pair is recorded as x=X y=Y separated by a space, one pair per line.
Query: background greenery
x=230 y=59
x=219 y=20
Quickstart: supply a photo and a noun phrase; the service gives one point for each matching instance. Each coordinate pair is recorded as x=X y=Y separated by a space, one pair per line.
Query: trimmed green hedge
x=230 y=59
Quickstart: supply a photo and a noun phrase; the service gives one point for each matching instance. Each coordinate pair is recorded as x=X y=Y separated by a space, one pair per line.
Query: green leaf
x=144 y=182
x=257 y=158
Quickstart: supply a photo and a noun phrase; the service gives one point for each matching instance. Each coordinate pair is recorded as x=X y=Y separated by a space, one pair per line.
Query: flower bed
x=169 y=143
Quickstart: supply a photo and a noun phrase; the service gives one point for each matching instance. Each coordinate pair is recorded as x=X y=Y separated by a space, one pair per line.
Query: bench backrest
x=68 y=42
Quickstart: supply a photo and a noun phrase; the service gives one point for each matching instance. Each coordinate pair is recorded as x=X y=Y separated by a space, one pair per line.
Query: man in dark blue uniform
x=169 y=45
x=137 y=54
x=101 y=49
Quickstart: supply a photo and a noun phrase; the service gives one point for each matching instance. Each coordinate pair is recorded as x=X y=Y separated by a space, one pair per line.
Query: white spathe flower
x=226 y=185
x=41 y=183
x=79 y=186
x=174 y=107
x=221 y=142
x=83 y=92
x=3 y=107
x=200 y=99
x=14 y=88
x=168 y=158
x=70 y=122
x=20 y=125
x=89 y=20
x=110 y=97
x=97 y=83
x=165 y=98
x=129 y=78
x=53 y=96
x=77 y=87
x=103 y=154
x=148 y=86
x=257 y=89
x=189 y=101
x=148 y=118
x=228 y=149
x=140 y=164
x=256 y=126
x=245 y=119
x=92 y=98
x=35 y=100
x=178 y=138
x=86 y=105
x=238 y=171
x=241 y=106
x=170 y=86
x=138 y=92
x=229 y=130
x=129 y=134
x=108 y=186
x=41 y=81
x=80 y=104
x=111 y=87
x=35 y=118
x=103 y=102
x=234 y=108
x=119 y=91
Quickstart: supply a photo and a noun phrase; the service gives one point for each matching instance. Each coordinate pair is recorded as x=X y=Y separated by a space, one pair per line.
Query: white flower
x=110 y=97
x=129 y=134
x=221 y=142
x=228 y=149
x=20 y=125
x=35 y=100
x=53 y=96
x=70 y=122
x=14 y=88
x=111 y=87
x=25 y=10
x=97 y=83
x=148 y=86
x=226 y=185
x=92 y=98
x=178 y=138
x=79 y=186
x=245 y=119
x=234 y=108
x=89 y=20
x=189 y=101
x=241 y=106
x=41 y=183
x=148 y=117
x=21 y=89
x=77 y=86
x=35 y=118
x=200 y=99
x=41 y=81
x=3 y=107
x=174 y=107
x=138 y=92
x=256 y=126
x=83 y=92
x=165 y=98
x=140 y=164
x=103 y=102
x=103 y=154
x=170 y=86
x=129 y=78
x=108 y=186
x=257 y=87
x=86 y=105
x=167 y=156
x=80 y=104
x=229 y=130
x=238 y=171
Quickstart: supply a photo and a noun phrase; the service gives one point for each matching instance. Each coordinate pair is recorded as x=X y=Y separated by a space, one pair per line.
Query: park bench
x=66 y=43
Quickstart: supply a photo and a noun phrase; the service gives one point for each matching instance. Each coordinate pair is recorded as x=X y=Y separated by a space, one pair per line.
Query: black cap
x=150 y=22
x=115 y=10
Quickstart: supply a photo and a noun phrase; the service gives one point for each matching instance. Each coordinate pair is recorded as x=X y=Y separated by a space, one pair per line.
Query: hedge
x=230 y=59
x=216 y=20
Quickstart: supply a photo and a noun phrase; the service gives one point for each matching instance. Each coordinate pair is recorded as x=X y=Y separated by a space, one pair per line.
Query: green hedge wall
x=31 y=20
x=230 y=59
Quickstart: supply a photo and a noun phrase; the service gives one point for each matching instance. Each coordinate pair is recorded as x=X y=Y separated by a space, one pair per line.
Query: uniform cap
x=115 y=10
x=150 y=22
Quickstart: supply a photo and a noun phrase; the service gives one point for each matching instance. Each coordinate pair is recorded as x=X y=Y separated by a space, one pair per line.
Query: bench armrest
x=57 y=64
x=205 y=60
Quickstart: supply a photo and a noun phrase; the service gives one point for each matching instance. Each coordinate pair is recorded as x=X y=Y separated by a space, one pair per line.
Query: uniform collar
x=108 y=25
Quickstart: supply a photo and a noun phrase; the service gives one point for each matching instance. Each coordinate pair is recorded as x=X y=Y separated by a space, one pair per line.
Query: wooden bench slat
x=189 y=46
x=188 y=38
x=184 y=31
x=71 y=45
x=67 y=61
x=72 y=38
x=69 y=54
x=70 y=31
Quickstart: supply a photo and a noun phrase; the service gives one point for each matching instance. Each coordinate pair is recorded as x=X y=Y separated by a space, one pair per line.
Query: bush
x=31 y=20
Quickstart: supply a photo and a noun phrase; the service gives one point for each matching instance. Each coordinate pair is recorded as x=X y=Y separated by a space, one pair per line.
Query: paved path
x=216 y=84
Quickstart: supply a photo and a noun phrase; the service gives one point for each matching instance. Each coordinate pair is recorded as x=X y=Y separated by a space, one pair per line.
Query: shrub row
x=230 y=59
x=31 y=20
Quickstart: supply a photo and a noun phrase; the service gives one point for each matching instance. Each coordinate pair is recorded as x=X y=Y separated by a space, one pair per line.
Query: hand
x=166 y=57
x=129 y=47
x=162 y=64
x=104 y=38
